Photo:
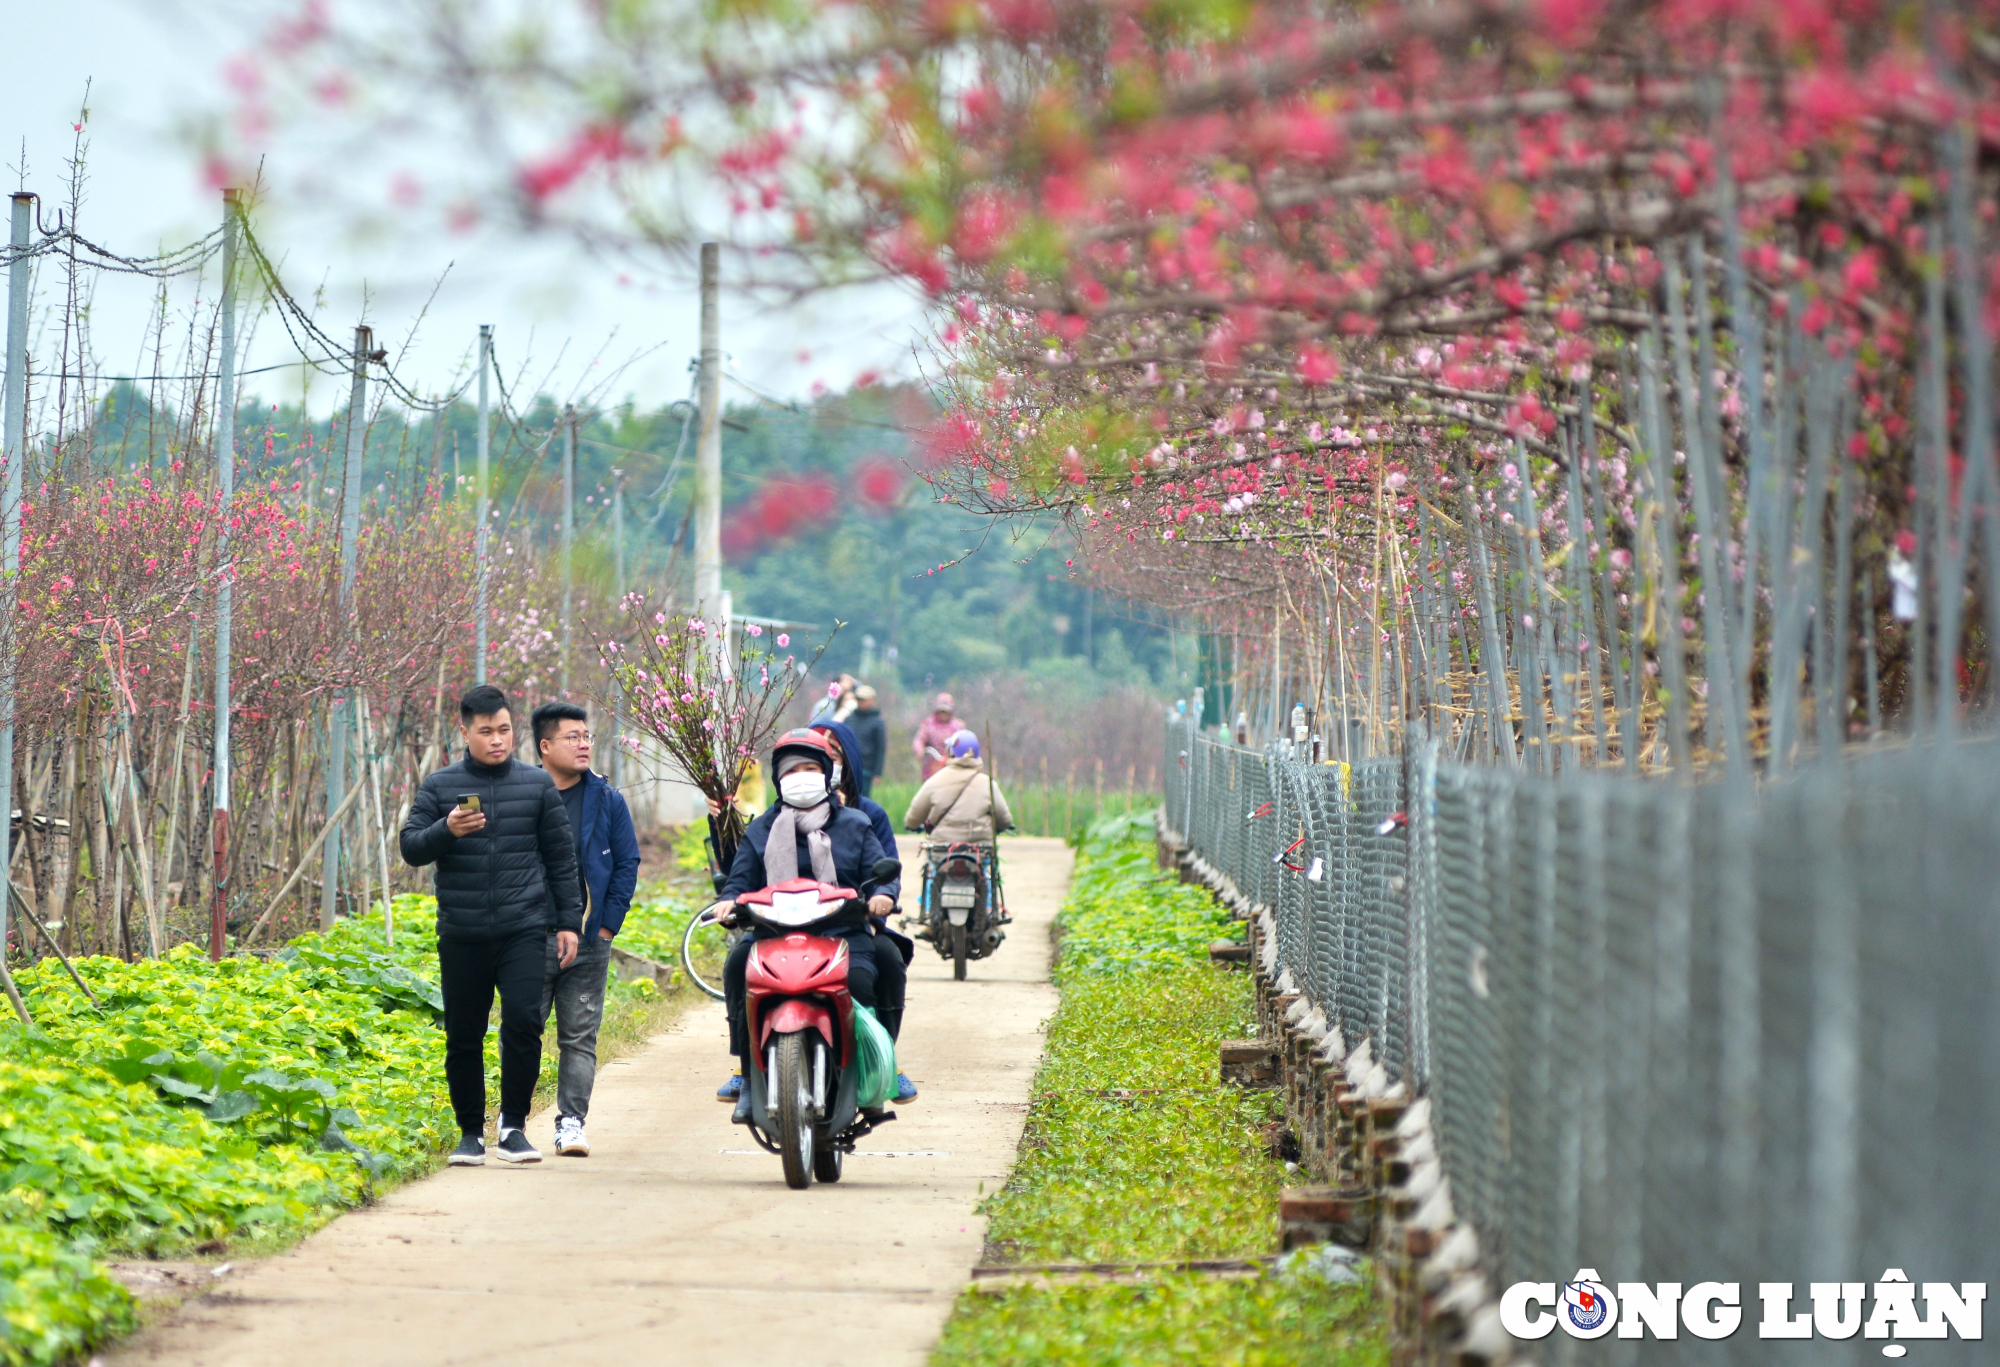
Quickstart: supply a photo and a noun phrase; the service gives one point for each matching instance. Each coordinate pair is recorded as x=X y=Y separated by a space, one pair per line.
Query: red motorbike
x=799 y=1014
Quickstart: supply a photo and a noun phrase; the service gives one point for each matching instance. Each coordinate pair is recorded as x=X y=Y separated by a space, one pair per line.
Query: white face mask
x=803 y=788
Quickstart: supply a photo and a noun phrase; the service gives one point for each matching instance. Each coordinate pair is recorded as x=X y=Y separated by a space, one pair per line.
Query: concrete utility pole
x=618 y=589
x=479 y=500
x=15 y=449
x=225 y=474
x=341 y=720
x=568 y=535
x=708 y=448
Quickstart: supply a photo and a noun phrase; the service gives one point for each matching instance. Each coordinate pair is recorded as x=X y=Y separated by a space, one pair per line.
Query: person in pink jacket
x=934 y=733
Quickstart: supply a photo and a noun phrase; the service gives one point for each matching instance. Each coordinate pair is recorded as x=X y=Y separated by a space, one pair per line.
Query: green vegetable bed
x=1133 y=1153
x=246 y=1100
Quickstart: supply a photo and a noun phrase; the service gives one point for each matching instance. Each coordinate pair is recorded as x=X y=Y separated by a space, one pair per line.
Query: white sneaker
x=571 y=1142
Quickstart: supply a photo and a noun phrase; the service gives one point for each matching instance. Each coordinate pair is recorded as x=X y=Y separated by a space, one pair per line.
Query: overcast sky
x=562 y=317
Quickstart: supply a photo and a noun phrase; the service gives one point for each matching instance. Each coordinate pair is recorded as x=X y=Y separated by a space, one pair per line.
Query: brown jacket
x=960 y=803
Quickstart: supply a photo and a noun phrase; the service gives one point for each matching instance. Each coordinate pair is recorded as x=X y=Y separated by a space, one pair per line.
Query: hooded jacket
x=855 y=850
x=517 y=874
x=958 y=802
x=877 y=814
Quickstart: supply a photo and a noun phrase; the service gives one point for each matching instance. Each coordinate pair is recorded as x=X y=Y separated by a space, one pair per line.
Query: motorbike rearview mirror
x=885 y=869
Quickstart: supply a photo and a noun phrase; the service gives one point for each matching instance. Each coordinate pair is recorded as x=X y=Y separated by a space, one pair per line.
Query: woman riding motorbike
x=893 y=950
x=959 y=801
x=805 y=833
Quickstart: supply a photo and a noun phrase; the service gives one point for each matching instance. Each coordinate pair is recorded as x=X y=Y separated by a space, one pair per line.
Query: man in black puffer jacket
x=506 y=877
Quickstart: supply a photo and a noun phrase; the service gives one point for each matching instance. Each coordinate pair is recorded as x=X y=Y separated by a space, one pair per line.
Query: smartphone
x=468 y=802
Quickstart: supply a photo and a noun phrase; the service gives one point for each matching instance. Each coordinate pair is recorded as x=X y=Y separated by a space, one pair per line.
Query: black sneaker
x=515 y=1148
x=470 y=1153
x=741 y=1115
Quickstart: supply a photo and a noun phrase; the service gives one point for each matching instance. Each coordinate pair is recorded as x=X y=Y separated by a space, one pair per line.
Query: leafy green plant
x=653 y=927
x=55 y=1302
x=200 y=1101
x=204 y=1101
x=398 y=988
x=213 y=1084
x=1125 y=916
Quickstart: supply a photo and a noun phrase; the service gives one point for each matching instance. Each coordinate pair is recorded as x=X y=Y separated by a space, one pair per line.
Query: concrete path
x=672 y=1244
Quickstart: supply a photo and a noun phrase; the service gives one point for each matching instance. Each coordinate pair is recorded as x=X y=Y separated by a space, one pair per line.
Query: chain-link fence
x=1668 y=1032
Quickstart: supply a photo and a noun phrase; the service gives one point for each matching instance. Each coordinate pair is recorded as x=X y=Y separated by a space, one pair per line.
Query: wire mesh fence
x=1670 y=1032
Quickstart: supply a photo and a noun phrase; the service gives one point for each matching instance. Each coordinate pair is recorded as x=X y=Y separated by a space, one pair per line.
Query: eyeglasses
x=575 y=737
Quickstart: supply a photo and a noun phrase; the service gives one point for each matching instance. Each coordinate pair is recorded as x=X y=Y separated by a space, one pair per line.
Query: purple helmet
x=964 y=743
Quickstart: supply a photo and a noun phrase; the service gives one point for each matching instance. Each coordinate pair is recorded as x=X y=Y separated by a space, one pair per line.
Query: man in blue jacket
x=607 y=857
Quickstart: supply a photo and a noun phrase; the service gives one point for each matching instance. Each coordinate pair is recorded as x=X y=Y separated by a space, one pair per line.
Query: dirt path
x=671 y=1243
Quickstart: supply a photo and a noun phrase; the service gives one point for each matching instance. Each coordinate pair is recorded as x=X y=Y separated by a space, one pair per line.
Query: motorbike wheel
x=792 y=1089
x=961 y=943
x=704 y=946
x=827 y=1161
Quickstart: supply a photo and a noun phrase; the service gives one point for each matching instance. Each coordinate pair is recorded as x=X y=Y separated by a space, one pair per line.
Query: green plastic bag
x=874 y=1059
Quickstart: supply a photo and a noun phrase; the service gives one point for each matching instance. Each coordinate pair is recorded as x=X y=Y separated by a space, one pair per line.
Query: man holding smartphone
x=607 y=856
x=506 y=879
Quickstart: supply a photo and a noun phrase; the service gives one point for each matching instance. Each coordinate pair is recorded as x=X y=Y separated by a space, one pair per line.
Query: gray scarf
x=781 y=849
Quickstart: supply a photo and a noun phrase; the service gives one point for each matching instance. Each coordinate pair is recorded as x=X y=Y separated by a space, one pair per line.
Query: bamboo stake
x=28 y=915
x=368 y=739
x=304 y=860
x=121 y=931
x=156 y=913
x=14 y=994
x=180 y=750
x=77 y=780
x=28 y=834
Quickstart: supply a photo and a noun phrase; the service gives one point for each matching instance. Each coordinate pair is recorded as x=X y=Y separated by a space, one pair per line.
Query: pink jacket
x=936 y=735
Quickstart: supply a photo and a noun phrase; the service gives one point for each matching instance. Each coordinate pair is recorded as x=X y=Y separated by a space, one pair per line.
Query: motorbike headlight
x=794 y=908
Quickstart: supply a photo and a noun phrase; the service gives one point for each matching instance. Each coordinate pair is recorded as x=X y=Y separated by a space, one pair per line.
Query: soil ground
x=677 y=1240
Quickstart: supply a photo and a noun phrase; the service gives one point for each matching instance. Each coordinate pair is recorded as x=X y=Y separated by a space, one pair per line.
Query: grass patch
x=1176 y=1170
x=1177 y=1320
x=1188 y=1163
x=1058 y=809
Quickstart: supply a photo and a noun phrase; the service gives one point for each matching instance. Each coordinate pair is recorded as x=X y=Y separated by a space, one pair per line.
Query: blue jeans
x=576 y=994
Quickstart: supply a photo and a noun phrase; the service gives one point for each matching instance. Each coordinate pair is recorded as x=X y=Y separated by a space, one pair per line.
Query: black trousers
x=867 y=983
x=892 y=980
x=469 y=972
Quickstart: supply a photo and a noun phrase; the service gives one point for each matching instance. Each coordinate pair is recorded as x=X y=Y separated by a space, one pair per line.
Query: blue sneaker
x=906 y=1090
x=731 y=1089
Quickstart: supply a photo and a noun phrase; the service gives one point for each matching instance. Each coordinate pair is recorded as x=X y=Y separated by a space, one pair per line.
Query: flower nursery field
x=199 y=1108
